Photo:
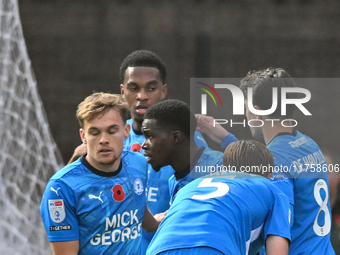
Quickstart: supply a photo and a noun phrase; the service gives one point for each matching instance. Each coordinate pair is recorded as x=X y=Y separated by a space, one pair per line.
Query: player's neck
x=184 y=156
x=137 y=126
x=108 y=168
x=271 y=130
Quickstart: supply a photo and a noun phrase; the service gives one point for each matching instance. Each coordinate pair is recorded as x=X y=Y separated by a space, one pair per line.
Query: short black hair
x=262 y=82
x=173 y=114
x=143 y=58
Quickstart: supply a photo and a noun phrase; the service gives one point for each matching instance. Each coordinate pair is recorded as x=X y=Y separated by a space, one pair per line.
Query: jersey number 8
x=326 y=228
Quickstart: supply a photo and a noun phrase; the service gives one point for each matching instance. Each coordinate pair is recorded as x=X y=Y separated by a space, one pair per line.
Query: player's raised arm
x=78 y=152
x=276 y=245
x=206 y=125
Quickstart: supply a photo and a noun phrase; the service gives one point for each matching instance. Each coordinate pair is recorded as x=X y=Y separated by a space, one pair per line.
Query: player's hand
x=78 y=152
x=205 y=124
x=151 y=222
x=160 y=216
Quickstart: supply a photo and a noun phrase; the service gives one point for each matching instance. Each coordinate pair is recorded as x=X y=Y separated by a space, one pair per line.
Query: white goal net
x=28 y=153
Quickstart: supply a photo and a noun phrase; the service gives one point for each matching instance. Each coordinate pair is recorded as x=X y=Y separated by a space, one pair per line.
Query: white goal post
x=28 y=154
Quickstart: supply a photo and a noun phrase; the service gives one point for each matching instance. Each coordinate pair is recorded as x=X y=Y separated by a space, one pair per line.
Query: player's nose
x=104 y=139
x=144 y=145
x=142 y=95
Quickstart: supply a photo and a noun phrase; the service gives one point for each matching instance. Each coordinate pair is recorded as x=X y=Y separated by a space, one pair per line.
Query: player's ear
x=127 y=129
x=164 y=91
x=82 y=135
x=269 y=176
x=122 y=89
x=176 y=136
x=257 y=108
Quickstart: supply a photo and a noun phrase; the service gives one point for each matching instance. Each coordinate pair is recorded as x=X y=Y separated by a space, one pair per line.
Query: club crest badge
x=138 y=186
x=56 y=208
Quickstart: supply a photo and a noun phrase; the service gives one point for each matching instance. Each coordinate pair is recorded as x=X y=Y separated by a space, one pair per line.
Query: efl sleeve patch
x=56 y=208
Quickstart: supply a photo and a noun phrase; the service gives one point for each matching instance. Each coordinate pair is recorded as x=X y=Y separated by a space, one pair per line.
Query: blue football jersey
x=303 y=176
x=233 y=214
x=201 y=165
x=157 y=186
x=199 y=140
x=157 y=191
x=230 y=138
x=135 y=140
x=104 y=211
x=158 y=195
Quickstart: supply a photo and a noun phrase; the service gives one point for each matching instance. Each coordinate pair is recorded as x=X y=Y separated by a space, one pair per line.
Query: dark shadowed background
x=77 y=46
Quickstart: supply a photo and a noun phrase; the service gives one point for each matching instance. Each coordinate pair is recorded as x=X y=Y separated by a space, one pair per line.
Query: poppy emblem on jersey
x=138 y=186
x=118 y=193
x=56 y=209
x=136 y=147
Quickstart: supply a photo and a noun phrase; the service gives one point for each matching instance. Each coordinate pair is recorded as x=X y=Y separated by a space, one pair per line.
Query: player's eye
x=132 y=88
x=94 y=133
x=112 y=131
x=147 y=136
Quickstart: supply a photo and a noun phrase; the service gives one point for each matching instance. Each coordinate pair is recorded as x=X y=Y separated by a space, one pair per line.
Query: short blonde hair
x=98 y=103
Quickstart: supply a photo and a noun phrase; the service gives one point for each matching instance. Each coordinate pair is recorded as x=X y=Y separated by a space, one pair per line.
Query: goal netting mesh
x=28 y=153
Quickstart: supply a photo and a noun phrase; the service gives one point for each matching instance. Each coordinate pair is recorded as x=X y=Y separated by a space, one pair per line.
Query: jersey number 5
x=222 y=189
